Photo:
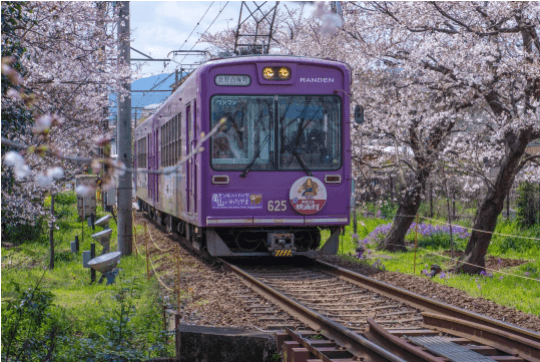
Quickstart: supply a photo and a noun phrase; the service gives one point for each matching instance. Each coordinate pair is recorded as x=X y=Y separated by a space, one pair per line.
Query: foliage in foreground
x=35 y=329
x=80 y=322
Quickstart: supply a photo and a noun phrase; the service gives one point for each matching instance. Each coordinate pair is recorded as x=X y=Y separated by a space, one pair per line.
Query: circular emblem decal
x=307 y=195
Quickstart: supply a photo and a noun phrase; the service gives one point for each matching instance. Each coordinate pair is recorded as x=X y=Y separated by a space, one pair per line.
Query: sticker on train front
x=282 y=253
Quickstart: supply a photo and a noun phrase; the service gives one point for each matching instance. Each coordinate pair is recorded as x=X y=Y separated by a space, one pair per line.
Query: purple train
x=277 y=172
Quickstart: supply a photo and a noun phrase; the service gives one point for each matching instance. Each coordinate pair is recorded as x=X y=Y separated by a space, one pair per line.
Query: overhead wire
x=181 y=46
x=212 y=23
x=197 y=25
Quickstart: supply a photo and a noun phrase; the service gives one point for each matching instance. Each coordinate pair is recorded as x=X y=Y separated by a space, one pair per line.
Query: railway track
x=325 y=313
x=344 y=316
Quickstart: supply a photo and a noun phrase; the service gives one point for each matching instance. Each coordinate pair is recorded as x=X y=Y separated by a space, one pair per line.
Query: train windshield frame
x=311 y=125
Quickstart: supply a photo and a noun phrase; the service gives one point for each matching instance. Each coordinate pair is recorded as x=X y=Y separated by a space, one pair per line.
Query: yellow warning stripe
x=283 y=253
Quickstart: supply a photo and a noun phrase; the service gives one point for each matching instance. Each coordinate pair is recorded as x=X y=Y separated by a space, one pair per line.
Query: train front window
x=247 y=135
x=311 y=125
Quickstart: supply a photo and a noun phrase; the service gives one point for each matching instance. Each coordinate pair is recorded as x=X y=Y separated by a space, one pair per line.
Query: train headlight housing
x=268 y=73
x=284 y=73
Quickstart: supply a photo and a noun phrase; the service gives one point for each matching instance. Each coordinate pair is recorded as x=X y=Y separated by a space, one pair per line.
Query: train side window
x=173 y=139
x=167 y=137
x=145 y=152
x=161 y=145
x=179 y=136
x=169 y=143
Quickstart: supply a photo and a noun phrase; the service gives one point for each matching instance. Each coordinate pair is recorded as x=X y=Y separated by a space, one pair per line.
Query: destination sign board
x=233 y=80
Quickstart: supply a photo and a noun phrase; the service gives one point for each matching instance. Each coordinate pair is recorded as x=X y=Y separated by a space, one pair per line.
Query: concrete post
x=125 y=187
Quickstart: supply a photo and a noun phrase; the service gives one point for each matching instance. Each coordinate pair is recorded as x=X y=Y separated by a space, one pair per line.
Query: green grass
x=512 y=291
x=86 y=304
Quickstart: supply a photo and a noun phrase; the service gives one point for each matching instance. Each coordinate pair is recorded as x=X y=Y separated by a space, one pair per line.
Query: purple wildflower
x=499 y=261
x=425 y=272
x=486 y=274
x=442 y=275
x=479 y=286
x=501 y=277
x=360 y=255
x=527 y=274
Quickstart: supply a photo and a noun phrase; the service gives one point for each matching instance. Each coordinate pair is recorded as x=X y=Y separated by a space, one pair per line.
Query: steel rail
x=354 y=343
x=423 y=303
x=397 y=345
x=506 y=342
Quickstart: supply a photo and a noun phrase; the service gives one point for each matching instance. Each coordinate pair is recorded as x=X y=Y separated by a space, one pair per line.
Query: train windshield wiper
x=255 y=156
x=299 y=159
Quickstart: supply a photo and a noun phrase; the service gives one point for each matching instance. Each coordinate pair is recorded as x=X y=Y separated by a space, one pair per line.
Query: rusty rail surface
x=493 y=337
x=423 y=303
x=354 y=343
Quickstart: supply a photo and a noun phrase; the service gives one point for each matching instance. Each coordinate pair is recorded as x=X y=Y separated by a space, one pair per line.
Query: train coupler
x=281 y=244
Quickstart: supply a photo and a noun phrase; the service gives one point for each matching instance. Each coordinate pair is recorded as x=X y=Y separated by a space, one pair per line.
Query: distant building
x=533 y=148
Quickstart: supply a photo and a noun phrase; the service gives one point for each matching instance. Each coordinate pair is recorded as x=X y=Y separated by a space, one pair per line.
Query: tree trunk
x=493 y=204
x=408 y=207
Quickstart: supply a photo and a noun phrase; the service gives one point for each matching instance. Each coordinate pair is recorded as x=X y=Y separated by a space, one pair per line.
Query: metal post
x=431 y=199
x=453 y=204
x=146 y=248
x=415 y=243
x=508 y=206
x=92 y=256
x=135 y=233
x=51 y=235
x=77 y=244
x=448 y=210
x=125 y=188
x=178 y=276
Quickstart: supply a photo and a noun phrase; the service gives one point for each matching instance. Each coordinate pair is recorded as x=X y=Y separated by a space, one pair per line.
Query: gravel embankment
x=443 y=293
x=213 y=297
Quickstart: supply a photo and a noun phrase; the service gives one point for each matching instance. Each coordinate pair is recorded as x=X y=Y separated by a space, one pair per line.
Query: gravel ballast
x=442 y=293
x=212 y=297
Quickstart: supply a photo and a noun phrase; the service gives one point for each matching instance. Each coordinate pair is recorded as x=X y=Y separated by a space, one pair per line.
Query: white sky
x=159 y=27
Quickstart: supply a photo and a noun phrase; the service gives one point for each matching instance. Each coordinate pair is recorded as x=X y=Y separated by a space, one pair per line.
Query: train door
x=189 y=131
x=194 y=164
x=149 y=162
x=156 y=166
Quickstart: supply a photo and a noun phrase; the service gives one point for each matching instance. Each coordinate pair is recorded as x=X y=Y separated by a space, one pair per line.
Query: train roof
x=271 y=58
x=241 y=59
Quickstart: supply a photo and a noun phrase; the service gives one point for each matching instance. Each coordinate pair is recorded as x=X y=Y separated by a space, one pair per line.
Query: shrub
x=435 y=236
x=66 y=198
x=32 y=327
x=528 y=204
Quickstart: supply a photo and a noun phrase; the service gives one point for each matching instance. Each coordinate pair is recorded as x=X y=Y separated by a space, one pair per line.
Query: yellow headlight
x=268 y=73
x=284 y=73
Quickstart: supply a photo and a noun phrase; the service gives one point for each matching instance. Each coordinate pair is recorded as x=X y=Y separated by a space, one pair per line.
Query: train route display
x=236 y=200
x=307 y=195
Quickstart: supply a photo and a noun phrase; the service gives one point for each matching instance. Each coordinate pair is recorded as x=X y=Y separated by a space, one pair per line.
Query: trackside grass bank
x=92 y=321
x=506 y=255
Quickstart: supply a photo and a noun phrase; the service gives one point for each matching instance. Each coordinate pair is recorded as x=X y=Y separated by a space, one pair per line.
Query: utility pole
x=125 y=187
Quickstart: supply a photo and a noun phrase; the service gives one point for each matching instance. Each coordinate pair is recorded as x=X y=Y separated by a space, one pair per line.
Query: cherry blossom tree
x=488 y=54
x=57 y=71
x=458 y=84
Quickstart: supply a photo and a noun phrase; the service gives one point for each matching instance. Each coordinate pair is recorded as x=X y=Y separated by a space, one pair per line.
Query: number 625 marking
x=277 y=205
